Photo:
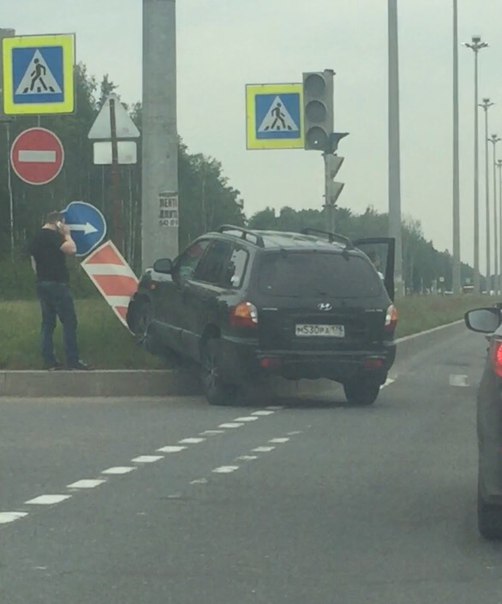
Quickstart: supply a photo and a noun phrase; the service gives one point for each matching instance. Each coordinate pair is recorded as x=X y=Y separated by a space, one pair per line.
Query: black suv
x=246 y=303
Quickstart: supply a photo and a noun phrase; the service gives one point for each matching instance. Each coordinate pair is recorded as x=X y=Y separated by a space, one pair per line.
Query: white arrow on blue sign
x=87 y=225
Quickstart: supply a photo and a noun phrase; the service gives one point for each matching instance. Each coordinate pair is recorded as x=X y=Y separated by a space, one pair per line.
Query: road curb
x=97 y=383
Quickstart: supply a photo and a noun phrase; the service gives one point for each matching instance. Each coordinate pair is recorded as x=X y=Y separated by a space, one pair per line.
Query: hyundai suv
x=248 y=303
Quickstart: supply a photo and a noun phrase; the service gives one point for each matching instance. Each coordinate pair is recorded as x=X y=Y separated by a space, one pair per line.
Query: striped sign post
x=112 y=276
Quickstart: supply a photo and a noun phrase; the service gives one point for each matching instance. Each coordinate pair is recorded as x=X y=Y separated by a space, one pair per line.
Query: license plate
x=330 y=331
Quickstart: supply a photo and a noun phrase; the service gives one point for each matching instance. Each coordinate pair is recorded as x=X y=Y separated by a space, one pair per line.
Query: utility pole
x=394 y=149
x=494 y=139
x=499 y=166
x=456 y=281
x=485 y=105
x=160 y=211
x=476 y=46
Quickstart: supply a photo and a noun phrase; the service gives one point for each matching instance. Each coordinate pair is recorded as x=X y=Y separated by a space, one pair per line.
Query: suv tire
x=216 y=390
x=489 y=519
x=362 y=391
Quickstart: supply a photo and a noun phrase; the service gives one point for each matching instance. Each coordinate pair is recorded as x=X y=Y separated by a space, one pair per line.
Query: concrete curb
x=116 y=383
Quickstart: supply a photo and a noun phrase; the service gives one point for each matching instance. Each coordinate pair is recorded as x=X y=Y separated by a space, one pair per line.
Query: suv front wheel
x=362 y=391
x=217 y=391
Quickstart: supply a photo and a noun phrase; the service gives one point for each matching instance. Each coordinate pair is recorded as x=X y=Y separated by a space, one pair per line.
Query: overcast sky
x=222 y=45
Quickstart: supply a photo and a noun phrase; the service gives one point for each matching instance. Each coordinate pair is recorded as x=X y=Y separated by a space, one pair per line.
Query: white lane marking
x=6 y=517
x=294 y=432
x=423 y=333
x=388 y=382
x=48 y=499
x=278 y=440
x=275 y=407
x=247 y=418
x=171 y=449
x=85 y=484
x=263 y=449
x=147 y=458
x=199 y=481
x=225 y=469
x=263 y=413
x=246 y=457
x=230 y=425
x=211 y=432
x=191 y=441
x=118 y=470
x=459 y=380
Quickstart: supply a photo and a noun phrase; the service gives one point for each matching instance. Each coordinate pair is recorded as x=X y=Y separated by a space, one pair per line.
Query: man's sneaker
x=79 y=366
x=56 y=366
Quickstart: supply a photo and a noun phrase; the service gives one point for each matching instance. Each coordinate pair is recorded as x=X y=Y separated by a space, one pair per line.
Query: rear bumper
x=242 y=358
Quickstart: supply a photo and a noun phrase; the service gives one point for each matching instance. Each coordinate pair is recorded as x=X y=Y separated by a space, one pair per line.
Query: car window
x=212 y=265
x=187 y=262
x=317 y=273
x=235 y=268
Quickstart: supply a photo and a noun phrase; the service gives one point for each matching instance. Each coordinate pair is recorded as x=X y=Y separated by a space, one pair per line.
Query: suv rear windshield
x=318 y=273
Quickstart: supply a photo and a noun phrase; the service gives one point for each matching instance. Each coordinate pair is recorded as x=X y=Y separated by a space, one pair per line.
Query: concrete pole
x=485 y=105
x=475 y=46
x=494 y=139
x=394 y=150
x=456 y=277
x=499 y=166
x=160 y=217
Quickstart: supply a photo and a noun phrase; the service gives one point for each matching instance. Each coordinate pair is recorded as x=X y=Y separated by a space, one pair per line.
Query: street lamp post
x=485 y=104
x=499 y=166
x=476 y=45
x=494 y=139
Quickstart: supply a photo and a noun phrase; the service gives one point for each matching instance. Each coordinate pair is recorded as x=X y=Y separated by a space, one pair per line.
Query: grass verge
x=106 y=344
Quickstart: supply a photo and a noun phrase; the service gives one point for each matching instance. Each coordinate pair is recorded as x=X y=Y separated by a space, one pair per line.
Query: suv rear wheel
x=362 y=391
x=216 y=390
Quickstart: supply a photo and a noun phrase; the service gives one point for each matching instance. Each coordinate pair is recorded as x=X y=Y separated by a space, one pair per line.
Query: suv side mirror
x=163 y=265
x=484 y=320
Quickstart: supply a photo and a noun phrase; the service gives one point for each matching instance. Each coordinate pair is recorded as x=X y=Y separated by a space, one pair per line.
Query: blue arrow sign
x=87 y=225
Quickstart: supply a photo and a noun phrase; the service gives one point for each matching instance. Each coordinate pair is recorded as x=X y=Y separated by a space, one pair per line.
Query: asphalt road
x=301 y=500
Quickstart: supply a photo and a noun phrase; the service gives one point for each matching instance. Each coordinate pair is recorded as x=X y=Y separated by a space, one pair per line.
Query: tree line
x=206 y=197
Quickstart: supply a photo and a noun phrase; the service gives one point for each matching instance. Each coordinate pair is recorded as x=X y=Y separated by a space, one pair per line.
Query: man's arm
x=68 y=246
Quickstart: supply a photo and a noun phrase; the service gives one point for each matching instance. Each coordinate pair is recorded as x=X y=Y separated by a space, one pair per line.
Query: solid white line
x=278 y=440
x=147 y=458
x=39 y=157
x=263 y=413
x=263 y=449
x=171 y=449
x=192 y=441
x=225 y=469
x=230 y=425
x=388 y=382
x=247 y=418
x=85 y=484
x=118 y=470
x=6 y=517
x=48 y=499
x=423 y=333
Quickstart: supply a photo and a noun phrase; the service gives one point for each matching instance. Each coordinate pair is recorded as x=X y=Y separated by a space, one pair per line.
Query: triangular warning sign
x=278 y=119
x=38 y=78
x=102 y=127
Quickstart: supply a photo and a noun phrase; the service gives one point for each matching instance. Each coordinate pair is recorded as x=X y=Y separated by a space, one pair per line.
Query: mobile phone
x=59 y=225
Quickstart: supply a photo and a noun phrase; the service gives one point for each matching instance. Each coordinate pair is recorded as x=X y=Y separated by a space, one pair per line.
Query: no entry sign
x=37 y=156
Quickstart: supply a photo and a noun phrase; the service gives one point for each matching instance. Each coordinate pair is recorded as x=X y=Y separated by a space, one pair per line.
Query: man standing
x=48 y=250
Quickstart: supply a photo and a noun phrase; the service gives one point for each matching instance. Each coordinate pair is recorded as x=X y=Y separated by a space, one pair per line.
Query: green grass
x=107 y=344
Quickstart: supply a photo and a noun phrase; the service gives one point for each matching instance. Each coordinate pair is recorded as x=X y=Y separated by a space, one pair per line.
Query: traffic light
x=318 y=109
x=333 y=189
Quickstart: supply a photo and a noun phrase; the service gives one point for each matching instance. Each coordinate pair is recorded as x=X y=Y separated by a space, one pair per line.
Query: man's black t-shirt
x=50 y=260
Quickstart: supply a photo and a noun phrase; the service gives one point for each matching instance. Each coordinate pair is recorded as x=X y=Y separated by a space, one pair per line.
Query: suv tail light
x=391 y=319
x=496 y=356
x=244 y=314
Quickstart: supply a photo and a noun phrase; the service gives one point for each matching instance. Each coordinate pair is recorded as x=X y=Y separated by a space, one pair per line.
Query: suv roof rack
x=244 y=233
x=330 y=236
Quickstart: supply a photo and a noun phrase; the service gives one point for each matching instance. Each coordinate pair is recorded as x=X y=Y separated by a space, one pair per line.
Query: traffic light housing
x=333 y=189
x=318 y=109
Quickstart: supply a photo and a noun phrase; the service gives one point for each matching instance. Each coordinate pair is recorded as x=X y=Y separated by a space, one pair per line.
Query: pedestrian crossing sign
x=274 y=116
x=38 y=74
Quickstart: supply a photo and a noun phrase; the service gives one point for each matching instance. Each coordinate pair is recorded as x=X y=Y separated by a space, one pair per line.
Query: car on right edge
x=489 y=422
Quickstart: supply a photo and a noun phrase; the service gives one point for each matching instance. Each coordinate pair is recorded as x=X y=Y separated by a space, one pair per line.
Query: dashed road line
x=263 y=449
x=231 y=425
x=85 y=484
x=47 y=499
x=191 y=441
x=118 y=470
x=225 y=469
x=171 y=449
x=147 y=458
x=6 y=517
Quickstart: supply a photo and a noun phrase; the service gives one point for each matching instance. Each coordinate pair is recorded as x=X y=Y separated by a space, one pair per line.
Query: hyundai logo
x=324 y=306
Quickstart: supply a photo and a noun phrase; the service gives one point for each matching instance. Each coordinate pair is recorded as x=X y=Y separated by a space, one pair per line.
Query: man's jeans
x=56 y=301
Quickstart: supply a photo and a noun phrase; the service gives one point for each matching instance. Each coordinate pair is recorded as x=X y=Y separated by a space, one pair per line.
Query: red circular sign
x=37 y=156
